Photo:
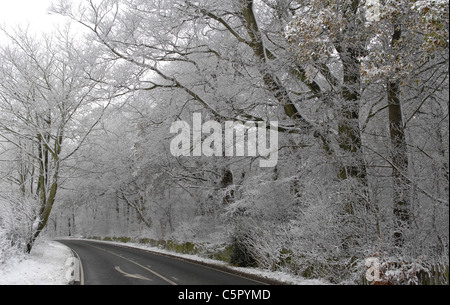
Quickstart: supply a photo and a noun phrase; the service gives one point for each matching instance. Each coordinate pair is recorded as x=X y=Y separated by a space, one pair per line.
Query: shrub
x=10 y=245
x=241 y=255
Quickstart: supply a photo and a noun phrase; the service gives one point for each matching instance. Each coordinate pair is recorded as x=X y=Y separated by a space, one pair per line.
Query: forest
x=355 y=92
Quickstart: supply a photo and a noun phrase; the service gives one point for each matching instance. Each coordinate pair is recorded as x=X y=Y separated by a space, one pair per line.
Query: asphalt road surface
x=110 y=264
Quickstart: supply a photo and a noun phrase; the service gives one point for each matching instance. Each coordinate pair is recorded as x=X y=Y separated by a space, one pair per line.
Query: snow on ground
x=45 y=266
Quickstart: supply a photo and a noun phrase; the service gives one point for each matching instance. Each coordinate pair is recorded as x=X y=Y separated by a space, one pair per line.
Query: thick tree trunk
x=47 y=184
x=350 y=138
x=42 y=219
x=399 y=162
x=399 y=157
x=352 y=163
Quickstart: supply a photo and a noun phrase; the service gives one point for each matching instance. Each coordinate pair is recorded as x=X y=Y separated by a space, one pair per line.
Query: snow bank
x=45 y=266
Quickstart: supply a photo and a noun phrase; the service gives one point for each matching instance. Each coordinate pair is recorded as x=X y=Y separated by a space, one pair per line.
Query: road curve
x=111 y=264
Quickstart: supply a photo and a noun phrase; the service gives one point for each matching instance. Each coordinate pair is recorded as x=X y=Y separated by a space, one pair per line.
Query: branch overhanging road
x=111 y=264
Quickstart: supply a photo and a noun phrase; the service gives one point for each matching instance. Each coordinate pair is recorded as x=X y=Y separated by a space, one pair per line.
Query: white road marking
x=137 y=264
x=133 y=276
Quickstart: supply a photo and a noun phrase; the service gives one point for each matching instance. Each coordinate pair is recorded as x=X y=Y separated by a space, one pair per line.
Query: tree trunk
x=350 y=139
x=399 y=157
x=399 y=164
x=46 y=190
x=352 y=164
x=42 y=218
x=227 y=180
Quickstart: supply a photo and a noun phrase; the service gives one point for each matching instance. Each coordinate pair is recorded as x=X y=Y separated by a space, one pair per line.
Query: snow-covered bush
x=17 y=223
x=242 y=255
x=10 y=245
x=395 y=271
x=301 y=224
x=261 y=219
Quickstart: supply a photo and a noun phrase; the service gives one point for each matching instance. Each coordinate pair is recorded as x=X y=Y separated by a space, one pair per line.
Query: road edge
x=218 y=267
x=80 y=265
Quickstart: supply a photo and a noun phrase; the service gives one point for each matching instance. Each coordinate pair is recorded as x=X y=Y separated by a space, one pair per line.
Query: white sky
x=26 y=12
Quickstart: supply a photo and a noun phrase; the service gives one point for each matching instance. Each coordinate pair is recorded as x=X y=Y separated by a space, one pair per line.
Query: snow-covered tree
x=360 y=91
x=48 y=87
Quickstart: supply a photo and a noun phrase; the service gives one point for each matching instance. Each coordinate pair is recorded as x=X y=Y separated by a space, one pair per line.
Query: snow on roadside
x=45 y=266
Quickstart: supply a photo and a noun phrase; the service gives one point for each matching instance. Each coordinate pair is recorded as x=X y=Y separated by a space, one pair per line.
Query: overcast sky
x=24 y=12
